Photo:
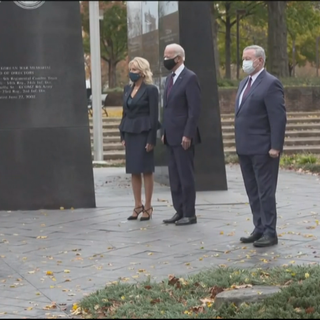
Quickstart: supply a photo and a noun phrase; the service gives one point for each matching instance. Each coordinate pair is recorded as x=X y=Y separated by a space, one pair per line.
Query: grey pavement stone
x=245 y=295
x=85 y=249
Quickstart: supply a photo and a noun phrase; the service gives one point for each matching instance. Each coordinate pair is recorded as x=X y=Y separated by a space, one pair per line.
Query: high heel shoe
x=137 y=212
x=148 y=213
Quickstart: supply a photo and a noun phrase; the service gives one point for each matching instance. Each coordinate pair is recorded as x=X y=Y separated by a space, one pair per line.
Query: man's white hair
x=179 y=51
x=259 y=51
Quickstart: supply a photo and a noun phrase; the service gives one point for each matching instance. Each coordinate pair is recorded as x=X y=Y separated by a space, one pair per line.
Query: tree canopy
x=113 y=34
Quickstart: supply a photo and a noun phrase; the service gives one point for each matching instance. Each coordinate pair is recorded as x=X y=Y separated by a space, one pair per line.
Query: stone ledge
x=245 y=295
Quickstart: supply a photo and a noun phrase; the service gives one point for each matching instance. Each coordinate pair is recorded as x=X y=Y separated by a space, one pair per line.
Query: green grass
x=303 y=162
x=193 y=297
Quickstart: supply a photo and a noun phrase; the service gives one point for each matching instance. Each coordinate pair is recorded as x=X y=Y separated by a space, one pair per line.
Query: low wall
x=297 y=99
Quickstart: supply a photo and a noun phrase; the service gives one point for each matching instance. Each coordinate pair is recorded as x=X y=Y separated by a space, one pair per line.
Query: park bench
x=103 y=102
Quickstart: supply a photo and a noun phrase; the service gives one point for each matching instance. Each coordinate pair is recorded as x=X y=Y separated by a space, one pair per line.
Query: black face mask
x=169 y=64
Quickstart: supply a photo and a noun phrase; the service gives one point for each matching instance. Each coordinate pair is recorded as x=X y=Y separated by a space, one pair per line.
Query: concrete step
x=109 y=139
x=112 y=125
x=225 y=121
x=112 y=147
x=300 y=120
x=301 y=129
x=107 y=126
x=289 y=134
x=289 y=114
x=228 y=143
x=287 y=149
x=113 y=155
x=108 y=133
x=120 y=155
x=108 y=119
x=310 y=141
x=290 y=126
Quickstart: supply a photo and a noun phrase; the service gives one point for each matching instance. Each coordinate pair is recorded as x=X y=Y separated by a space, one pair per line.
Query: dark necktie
x=170 y=85
x=247 y=88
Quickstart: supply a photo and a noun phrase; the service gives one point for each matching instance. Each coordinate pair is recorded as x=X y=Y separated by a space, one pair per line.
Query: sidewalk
x=51 y=259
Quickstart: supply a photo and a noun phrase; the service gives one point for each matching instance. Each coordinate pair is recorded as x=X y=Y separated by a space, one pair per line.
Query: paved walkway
x=51 y=259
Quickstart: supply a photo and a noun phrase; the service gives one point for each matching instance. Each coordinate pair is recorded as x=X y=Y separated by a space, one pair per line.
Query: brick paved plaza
x=54 y=258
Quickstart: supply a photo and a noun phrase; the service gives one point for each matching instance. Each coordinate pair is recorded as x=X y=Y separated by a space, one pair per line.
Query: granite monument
x=45 y=158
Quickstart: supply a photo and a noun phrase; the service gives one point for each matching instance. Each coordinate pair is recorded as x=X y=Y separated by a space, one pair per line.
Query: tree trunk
x=277 y=39
x=293 y=58
x=112 y=74
x=228 y=42
x=290 y=68
x=215 y=29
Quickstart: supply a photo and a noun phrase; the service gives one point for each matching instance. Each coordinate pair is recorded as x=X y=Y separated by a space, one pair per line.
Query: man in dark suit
x=181 y=105
x=260 y=123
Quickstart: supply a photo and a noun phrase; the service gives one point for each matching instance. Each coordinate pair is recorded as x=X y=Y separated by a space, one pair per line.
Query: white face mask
x=247 y=66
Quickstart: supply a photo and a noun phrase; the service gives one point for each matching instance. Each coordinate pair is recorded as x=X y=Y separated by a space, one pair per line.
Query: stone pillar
x=45 y=158
x=189 y=24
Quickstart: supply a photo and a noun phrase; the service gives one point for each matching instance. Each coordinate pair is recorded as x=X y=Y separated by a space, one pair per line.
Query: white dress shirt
x=254 y=77
x=177 y=73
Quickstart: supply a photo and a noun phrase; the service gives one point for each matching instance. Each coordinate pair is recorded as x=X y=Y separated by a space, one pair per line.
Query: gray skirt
x=138 y=160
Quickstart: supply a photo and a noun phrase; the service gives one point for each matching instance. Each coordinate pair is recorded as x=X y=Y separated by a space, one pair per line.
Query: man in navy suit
x=260 y=124
x=181 y=105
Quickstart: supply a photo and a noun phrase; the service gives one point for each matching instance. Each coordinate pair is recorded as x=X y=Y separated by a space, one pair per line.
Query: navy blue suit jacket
x=260 y=121
x=142 y=116
x=181 y=110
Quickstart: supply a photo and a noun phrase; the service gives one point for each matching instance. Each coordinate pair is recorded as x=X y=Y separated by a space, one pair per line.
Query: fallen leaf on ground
x=154 y=301
x=206 y=301
x=198 y=309
x=309 y=310
x=214 y=291
x=241 y=286
x=288 y=282
x=53 y=305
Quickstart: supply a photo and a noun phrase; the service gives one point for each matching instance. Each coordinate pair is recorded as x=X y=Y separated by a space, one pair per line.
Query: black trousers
x=260 y=176
x=182 y=182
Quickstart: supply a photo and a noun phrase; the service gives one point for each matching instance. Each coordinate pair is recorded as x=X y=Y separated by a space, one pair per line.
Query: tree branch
x=223 y=21
x=105 y=58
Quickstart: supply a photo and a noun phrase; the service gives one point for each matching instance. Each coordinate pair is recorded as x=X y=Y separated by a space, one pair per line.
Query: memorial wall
x=151 y=26
x=45 y=159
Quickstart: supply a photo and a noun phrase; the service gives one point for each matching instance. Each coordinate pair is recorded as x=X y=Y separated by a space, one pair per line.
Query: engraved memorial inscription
x=25 y=82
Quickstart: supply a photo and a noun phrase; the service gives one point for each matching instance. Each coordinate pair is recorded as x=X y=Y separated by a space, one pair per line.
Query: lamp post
x=317 y=56
x=239 y=12
x=94 y=17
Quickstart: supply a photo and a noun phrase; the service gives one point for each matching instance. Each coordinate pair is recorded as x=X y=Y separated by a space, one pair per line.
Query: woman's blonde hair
x=144 y=67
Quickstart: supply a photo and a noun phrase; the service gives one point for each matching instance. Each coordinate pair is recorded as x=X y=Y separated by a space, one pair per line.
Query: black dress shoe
x=186 y=221
x=266 y=241
x=175 y=218
x=252 y=238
